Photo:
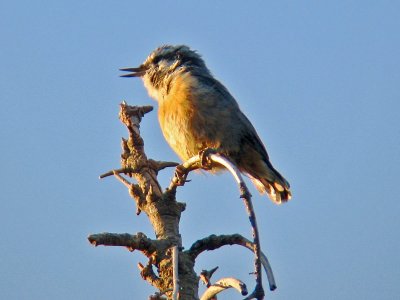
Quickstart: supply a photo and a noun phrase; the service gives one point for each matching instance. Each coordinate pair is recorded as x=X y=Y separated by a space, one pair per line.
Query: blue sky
x=320 y=81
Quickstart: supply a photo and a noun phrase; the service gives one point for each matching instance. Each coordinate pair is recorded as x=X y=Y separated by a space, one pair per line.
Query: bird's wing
x=225 y=115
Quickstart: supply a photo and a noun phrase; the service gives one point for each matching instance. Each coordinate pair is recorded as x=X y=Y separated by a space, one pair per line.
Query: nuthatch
x=196 y=112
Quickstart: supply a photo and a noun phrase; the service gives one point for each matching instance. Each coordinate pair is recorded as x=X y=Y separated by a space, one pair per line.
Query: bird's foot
x=205 y=161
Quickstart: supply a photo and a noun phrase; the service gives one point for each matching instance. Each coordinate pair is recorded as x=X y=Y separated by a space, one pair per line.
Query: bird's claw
x=205 y=161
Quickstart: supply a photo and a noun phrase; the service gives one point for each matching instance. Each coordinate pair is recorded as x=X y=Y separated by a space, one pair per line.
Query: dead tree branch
x=213 y=242
x=205 y=160
x=137 y=241
x=223 y=284
x=174 y=275
x=162 y=210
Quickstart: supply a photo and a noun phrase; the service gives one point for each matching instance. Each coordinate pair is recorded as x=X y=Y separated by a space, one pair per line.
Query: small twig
x=223 y=284
x=205 y=276
x=175 y=275
x=246 y=196
x=148 y=274
x=268 y=270
x=160 y=165
x=153 y=164
x=119 y=171
x=134 y=190
x=123 y=180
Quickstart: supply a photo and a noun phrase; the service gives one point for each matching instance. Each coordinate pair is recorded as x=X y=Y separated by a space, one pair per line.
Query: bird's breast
x=176 y=114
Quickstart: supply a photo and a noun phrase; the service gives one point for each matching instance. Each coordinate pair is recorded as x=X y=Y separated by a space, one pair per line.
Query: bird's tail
x=272 y=183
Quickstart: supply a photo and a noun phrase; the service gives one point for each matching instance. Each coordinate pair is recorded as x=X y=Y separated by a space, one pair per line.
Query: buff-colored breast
x=177 y=115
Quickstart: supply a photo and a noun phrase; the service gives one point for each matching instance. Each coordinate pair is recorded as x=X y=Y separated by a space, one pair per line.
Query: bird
x=196 y=112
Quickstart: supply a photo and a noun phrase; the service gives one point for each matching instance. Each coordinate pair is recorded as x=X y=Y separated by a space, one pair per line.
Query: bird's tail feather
x=277 y=188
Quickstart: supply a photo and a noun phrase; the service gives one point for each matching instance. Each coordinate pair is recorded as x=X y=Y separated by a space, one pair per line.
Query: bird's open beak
x=136 y=72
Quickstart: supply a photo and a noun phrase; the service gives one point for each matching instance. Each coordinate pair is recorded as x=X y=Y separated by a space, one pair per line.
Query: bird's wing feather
x=232 y=122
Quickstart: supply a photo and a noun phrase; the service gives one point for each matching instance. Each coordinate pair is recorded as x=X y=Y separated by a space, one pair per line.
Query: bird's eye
x=157 y=59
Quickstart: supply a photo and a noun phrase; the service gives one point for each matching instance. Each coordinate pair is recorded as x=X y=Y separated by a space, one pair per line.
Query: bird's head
x=163 y=64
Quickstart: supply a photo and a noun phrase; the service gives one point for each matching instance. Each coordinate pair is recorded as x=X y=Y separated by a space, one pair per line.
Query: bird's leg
x=181 y=173
x=200 y=161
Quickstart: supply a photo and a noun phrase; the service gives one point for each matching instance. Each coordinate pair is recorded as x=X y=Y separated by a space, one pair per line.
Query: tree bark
x=164 y=213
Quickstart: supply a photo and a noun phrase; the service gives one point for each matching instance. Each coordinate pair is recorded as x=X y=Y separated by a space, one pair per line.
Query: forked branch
x=165 y=252
x=208 y=157
x=213 y=242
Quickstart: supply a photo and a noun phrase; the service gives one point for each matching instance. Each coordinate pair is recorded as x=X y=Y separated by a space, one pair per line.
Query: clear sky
x=320 y=81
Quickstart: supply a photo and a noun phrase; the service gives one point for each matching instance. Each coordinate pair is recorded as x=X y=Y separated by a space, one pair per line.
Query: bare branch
x=223 y=284
x=175 y=275
x=246 y=196
x=213 y=242
x=164 y=214
x=133 y=242
x=161 y=208
x=119 y=171
x=154 y=164
x=258 y=293
x=123 y=180
x=205 y=159
x=133 y=156
x=268 y=270
x=160 y=165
